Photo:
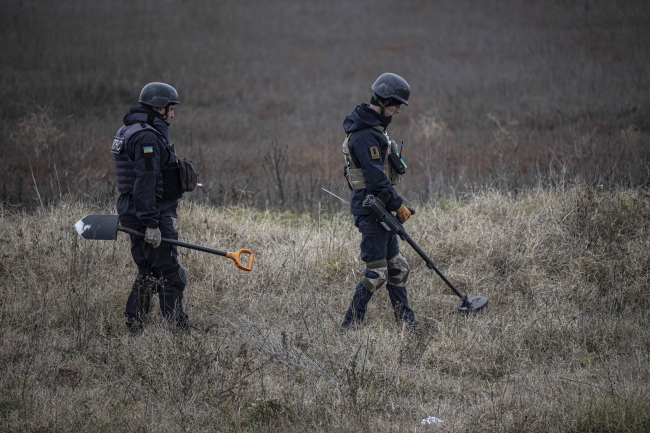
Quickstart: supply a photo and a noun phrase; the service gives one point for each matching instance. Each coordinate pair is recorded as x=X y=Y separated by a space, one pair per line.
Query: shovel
x=105 y=227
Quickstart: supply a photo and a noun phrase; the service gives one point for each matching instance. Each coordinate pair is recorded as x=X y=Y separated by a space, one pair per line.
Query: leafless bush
x=532 y=92
x=276 y=166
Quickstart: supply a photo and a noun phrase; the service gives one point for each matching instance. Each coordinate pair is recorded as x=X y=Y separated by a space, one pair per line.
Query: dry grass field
x=564 y=345
x=528 y=138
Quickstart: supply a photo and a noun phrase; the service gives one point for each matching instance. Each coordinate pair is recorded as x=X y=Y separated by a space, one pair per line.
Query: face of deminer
x=170 y=113
x=392 y=110
x=388 y=111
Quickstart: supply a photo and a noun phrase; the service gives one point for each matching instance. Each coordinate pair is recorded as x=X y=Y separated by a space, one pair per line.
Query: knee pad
x=398 y=271
x=182 y=275
x=375 y=275
x=175 y=282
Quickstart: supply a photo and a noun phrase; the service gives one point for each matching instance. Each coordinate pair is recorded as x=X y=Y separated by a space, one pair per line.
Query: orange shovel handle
x=235 y=258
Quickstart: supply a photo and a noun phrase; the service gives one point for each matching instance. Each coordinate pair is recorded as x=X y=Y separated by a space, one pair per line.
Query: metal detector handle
x=384 y=196
x=228 y=254
x=235 y=258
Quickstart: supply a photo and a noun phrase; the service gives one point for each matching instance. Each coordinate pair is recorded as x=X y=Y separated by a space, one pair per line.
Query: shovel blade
x=472 y=303
x=98 y=227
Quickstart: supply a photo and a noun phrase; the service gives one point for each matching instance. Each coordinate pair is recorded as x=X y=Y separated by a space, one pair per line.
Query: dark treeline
x=505 y=94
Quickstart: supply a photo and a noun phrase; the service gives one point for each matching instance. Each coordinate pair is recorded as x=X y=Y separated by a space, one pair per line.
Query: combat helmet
x=158 y=95
x=389 y=87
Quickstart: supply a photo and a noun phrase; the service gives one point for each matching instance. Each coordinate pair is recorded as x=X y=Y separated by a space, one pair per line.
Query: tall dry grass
x=563 y=345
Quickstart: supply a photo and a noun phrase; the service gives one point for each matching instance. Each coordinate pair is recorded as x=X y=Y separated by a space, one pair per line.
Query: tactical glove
x=403 y=213
x=153 y=237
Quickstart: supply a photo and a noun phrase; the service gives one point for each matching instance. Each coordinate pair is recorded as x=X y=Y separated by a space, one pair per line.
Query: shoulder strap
x=377 y=128
x=134 y=128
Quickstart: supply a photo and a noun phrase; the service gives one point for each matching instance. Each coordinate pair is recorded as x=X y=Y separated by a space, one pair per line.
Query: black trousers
x=155 y=266
x=378 y=246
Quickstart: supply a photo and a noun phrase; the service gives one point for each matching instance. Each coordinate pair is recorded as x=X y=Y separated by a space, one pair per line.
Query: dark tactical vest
x=166 y=184
x=354 y=174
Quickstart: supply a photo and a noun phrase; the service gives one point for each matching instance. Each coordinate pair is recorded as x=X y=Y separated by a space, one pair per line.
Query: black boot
x=401 y=308
x=358 y=305
x=171 y=295
x=138 y=303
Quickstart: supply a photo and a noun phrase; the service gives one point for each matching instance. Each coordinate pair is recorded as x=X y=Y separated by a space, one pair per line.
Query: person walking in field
x=369 y=170
x=149 y=184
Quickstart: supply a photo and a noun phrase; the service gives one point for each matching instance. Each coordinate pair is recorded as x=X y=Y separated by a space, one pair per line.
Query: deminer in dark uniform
x=369 y=171
x=148 y=182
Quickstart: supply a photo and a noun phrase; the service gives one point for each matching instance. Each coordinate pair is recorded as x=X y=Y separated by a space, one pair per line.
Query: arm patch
x=374 y=152
x=147 y=153
x=118 y=145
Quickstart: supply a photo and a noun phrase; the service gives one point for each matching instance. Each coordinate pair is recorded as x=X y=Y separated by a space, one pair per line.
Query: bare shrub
x=533 y=93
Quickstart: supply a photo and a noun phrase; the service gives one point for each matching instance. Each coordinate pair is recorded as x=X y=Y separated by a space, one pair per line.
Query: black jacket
x=361 y=121
x=149 y=153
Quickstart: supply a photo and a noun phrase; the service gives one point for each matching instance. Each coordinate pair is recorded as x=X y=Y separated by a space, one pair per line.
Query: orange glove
x=403 y=213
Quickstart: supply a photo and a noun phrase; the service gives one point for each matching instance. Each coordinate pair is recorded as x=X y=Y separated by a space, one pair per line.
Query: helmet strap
x=165 y=117
x=380 y=101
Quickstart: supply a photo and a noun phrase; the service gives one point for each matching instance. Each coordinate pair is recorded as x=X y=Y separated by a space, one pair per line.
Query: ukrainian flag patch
x=147 y=149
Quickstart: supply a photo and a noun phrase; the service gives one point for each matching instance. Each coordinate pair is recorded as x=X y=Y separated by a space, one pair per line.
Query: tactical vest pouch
x=396 y=162
x=355 y=178
x=171 y=183
x=180 y=179
x=188 y=175
x=391 y=170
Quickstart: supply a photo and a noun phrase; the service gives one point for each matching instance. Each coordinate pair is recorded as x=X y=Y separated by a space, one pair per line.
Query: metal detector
x=377 y=209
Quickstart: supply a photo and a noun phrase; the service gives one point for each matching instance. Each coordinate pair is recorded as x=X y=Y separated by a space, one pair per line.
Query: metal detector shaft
x=376 y=207
x=429 y=262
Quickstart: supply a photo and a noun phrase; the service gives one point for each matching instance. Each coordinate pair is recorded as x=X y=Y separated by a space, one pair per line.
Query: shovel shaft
x=175 y=242
x=235 y=257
